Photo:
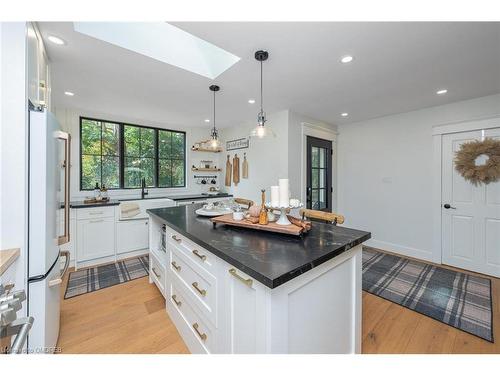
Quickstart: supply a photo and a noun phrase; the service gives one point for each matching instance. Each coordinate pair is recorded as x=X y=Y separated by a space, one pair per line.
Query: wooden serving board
x=271 y=227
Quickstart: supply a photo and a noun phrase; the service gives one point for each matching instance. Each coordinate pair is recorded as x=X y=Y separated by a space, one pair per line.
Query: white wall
x=385 y=174
x=70 y=122
x=267 y=158
x=13 y=145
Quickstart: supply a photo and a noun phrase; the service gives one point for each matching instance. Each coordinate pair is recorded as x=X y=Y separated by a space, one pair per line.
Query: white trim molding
x=318 y=131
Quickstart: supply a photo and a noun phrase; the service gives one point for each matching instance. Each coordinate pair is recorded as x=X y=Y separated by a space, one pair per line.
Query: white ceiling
x=397 y=68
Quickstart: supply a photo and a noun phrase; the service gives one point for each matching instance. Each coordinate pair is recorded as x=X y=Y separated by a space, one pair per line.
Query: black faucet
x=143 y=186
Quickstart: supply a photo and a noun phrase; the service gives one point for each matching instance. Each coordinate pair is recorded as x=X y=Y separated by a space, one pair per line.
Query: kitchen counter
x=271 y=258
x=81 y=204
x=187 y=197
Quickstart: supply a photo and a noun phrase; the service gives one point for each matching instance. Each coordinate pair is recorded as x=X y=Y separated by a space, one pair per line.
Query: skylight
x=164 y=42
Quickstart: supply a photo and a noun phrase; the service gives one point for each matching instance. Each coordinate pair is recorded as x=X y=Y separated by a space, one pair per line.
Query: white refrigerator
x=49 y=187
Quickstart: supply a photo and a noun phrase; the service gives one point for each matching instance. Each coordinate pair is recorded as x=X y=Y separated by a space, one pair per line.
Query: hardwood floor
x=126 y=318
x=131 y=318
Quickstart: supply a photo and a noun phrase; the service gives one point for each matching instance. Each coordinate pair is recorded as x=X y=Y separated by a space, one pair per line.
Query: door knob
x=448 y=206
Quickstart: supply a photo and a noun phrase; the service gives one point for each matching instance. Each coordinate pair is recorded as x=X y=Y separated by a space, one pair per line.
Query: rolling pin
x=228 y=172
x=236 y=169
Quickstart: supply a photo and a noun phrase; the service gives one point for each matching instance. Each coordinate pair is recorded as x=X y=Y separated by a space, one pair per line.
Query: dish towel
x=129 y=210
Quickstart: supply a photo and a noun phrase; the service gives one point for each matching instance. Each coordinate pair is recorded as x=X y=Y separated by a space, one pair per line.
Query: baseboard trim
x=403 y=250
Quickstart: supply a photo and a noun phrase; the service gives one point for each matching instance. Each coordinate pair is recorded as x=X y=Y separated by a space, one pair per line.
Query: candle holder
x=283 y=220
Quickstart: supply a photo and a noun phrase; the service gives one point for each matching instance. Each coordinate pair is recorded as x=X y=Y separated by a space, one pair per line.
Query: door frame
x=317 y=131
x=438 y=132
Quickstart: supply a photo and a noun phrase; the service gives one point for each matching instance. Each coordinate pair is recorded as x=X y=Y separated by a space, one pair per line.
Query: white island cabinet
x=217 y=308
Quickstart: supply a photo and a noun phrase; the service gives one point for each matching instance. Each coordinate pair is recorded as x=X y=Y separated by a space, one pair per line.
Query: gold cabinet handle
x=203 y=336
x=248 y=282
x=203 y=292
x=156 y=274
x=174 y=237
x=178 y=268
x=197 y=253
x=174 y=298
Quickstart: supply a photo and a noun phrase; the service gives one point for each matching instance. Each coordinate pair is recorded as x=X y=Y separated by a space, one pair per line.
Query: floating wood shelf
x=205 y=169
x=205 y=149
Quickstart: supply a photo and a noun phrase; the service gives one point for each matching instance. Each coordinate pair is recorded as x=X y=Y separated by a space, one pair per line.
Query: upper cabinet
x=38 y=68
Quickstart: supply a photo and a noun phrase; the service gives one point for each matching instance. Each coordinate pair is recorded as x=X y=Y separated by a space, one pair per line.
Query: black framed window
x=120 y=155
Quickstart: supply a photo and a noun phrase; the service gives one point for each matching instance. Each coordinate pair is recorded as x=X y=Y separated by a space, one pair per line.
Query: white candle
x=284 y=192
x=275 y=196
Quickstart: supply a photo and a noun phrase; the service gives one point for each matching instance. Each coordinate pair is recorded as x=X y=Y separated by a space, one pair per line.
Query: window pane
x=314 y=157
x=91 y=171
x=132 y=140
x=178 y=145
x=147 y=143
x=165 y=174
x=165 y=144
x=322 y=199
x=110 y=171
x=136 y=169
x=177 y=172
x=110 y=139
x=322 y=157
x=91 y=137
x=322 y=178
x=315 y=178
x=315 y=199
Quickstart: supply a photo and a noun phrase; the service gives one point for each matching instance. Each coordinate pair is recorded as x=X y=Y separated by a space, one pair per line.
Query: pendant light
x=260 y=130
x=214 y=143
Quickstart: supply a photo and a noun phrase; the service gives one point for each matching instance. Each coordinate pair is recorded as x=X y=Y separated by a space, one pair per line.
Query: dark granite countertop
x=188 y=197
x=81 y=204
x=271 y=258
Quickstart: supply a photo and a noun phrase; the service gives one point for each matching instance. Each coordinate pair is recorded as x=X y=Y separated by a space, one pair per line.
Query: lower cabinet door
x=245 y=309
x=96 y=238
x=131 y=235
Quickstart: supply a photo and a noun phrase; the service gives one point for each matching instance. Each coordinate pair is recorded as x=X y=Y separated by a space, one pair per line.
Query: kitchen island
x=235 y=290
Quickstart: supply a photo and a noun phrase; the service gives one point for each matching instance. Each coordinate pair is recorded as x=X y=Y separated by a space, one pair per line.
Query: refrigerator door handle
x=66 y=263
x=66 y=137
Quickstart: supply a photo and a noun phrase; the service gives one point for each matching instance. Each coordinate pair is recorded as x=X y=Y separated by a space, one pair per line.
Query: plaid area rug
x=460 y=300
x=100 y=277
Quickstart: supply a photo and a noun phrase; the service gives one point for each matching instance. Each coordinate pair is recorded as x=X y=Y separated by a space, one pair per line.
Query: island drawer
x=200 y=333
x=158 y=273
x=195 y=252
x=199 y=285
x=95 y=213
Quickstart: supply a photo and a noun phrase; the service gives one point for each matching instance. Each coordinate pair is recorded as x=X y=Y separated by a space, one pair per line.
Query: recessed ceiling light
x=56 y=40
x=346 y=59
x=207 y=120
x=441 y=92
x=251 y=101
x=69 y=93
x=345 y=114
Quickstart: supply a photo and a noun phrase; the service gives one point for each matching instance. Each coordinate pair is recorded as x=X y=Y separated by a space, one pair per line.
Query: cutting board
x=229 y=169
x=271 y=227
x=244 y=166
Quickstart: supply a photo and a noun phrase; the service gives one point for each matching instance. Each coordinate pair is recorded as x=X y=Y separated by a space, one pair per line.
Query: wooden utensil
x=229 y=169
x=236 y=169
x=244 y=167
x=306 y=225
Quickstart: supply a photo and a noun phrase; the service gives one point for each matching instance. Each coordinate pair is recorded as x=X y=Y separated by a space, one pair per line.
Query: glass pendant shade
x=261 y=131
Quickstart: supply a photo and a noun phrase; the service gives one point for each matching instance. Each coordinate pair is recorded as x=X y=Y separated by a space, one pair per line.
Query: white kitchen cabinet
x=95 y=238
x=244 y=312
x=38 y=68
x=131 y=235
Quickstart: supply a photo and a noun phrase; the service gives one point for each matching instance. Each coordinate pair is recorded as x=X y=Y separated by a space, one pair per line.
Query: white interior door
x=470 y=214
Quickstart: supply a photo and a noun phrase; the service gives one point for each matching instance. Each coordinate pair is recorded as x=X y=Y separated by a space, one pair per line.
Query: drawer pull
x=202 y=257
x=96 y=213
x=174 y=237
x=203 y=336
x=177 y=268
x=156 y=274
x=203 y=292
x=96 y=221
x=174 y=298
x=248 y=282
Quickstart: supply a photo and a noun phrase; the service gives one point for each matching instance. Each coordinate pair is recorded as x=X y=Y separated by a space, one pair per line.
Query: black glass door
x=319 y=174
